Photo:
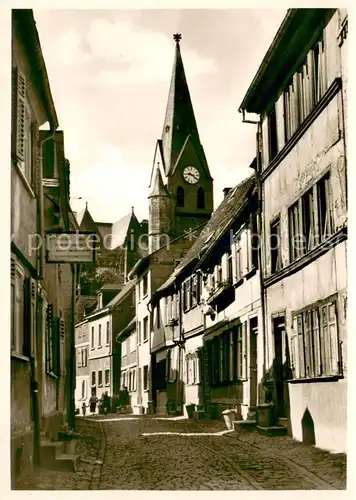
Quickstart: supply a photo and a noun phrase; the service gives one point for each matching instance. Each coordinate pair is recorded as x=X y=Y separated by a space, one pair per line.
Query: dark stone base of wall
x=21 y=457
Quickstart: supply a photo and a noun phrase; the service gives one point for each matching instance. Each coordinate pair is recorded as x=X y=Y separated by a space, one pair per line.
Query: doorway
x=281 y=367
x=253 y=361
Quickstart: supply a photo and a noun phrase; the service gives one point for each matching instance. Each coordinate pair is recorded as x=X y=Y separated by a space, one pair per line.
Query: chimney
x=226 y=191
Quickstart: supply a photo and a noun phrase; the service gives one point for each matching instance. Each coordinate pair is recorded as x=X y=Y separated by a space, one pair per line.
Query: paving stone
x=234 y=461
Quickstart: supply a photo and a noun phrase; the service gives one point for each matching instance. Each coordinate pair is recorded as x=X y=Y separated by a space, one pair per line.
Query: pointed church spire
x=179 y=120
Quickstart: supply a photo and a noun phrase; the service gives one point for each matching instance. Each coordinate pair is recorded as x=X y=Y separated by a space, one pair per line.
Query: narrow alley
x=132 y=453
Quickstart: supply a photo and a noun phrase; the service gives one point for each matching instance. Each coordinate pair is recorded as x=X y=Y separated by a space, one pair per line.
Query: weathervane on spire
x=177 y=37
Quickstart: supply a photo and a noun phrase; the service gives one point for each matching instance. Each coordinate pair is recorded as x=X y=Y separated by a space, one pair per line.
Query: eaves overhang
x=297 y=34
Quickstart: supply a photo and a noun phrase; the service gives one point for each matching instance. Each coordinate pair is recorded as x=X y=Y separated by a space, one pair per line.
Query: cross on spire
x=177 y=37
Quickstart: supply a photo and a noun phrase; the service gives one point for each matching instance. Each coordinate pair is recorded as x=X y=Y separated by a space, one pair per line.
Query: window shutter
x=310 y=80
x=168 y=365
x=20 y=114
x=27 y=317
x=79 y=356
x=49 y=326
x=185 y=370
x=33 y=290
x=198 y=371
x=265 y=155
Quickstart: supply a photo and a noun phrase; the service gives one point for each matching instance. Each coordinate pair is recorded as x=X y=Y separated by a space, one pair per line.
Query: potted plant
x=190 y=409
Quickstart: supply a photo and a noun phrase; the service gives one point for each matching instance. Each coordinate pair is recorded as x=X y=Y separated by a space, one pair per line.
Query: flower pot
x=190 y=410
x=229 y=418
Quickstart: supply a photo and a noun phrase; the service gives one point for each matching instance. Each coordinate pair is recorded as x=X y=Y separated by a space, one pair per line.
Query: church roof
x=119 y=230
x=217 y=226
x=179 y=119
x=158 y=187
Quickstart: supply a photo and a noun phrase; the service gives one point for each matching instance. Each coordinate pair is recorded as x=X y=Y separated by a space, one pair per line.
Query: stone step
x=283 y=422
x=244 y=425
x=273 y=430
x=66 y=462
x=49 y=450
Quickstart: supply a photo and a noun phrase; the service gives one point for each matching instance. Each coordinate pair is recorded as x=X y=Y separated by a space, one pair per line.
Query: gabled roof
x=121 y=295
x=120 y=230
x=216 y=227
x=128 y=328
x=179 y=119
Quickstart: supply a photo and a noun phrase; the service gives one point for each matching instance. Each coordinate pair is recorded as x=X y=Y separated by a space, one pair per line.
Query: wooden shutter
x=19 y=89
x=265 y=142
x=310 y=80
x=26 y=347
x=49 y=338
x=294 y=349
x=280 y=122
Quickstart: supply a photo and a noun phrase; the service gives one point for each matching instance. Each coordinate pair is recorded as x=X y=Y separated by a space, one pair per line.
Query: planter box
x=265 y=415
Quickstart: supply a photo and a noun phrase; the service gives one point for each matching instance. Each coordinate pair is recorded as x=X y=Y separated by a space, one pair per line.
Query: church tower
x=181 y=187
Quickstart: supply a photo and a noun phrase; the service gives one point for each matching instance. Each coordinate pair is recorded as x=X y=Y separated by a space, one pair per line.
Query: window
x=145 y=378
x=229 y=268
x=83 y=389
x=200 y=198
x=305 y=89
x=84 y=357
x=92 y=338
x=192 y=368
x=107 y=377
x=226 y=355
x=272 y=134
x=79 y=357
x=311 y=219
x=52 y=341
x=158 y=316
x=99 y=336
x=275 y=245
x=100 y=378
x=324 y=208
x=194 y=290
x=319 y=70
x=17 y=308
x=219 y=273
x=145 y=328
x=180 y=196
x=145 y=285
x=107 y=332
x=254 y=242
x=315 y=343
x=138 y=332
x=186 y=295
x=238 y=259
x=124 y=379
x=132 y=380
x=93 y=379
x=22 y=129
x=138 y=289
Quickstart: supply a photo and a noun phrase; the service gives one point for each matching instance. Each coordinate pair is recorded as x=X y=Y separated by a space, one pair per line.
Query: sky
x=110 y=71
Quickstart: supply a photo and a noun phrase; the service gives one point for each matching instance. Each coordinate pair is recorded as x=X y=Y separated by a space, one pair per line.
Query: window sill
x=100 y=386
x=25 y=181
x=99 y=347
x=146 y=340
x=145 y=296
x=315 y=253
x=229 y=382
x=312 y=380
x=19 y=357
x=251 y=273
x=145 y=390
x=239 y=282
x=107 y=385
x=52 y=375
x=92 y=348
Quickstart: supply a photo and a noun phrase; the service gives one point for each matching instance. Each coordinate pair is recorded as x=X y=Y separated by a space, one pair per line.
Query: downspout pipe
x=40 y=260
x=260 y=233
x=260 y=238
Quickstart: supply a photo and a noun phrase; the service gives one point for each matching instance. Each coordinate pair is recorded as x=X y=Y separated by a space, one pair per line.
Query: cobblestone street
x=136 y=453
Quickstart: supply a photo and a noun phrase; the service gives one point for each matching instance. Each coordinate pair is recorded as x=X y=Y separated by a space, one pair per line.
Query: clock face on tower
x=191 y=175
